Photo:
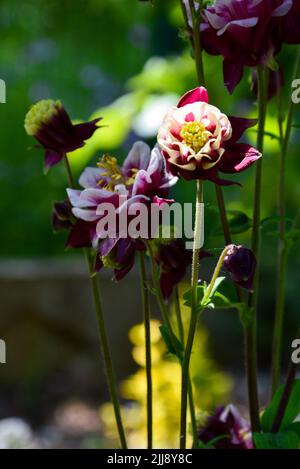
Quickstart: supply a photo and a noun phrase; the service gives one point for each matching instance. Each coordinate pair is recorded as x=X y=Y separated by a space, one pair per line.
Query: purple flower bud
x=62 y=216
x=226 y=422
x=240 y=262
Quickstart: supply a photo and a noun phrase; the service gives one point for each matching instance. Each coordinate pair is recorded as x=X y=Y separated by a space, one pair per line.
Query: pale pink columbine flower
x=198 y=140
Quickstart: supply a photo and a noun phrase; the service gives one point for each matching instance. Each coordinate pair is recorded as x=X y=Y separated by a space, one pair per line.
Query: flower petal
x=239 y=125
x=138 y=157
x=238 y=157
x=90 y=177
x=233 y=73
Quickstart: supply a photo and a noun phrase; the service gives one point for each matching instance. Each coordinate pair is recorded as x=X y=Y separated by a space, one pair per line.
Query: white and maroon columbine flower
x=198 y=140
x=143 y=179
x=49 y=123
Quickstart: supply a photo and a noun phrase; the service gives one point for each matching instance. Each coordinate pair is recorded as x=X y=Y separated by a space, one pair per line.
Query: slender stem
x=146 y=308
x=285 y=396
x=181 y=336
x=178 y=316
x=194 y=315
x=184 y=379
x=164 y=312
x=102 y=331
x=282 y=248
x=223 y=216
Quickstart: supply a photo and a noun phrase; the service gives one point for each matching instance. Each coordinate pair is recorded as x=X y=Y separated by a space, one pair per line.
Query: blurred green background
x=125 y=60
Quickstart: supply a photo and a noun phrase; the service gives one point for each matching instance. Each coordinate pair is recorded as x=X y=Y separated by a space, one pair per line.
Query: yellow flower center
x=40 y=113
x=194 y=135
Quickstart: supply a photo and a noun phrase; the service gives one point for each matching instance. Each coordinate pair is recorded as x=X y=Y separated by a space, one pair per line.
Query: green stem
x=250 y=328
x=102 y=330
x=282 y=248
x=164 y=312
x=185 y=378
x=146 y=309
x=223 y=216
x=285 y=397
x=194 y=315
x=181 y=336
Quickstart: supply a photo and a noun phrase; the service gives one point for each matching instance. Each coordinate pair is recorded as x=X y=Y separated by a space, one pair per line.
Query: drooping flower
x=240 y=262
x=50 y=124
x=198 y=140
x=227 y=428
x=173 y=259
x=247 y=33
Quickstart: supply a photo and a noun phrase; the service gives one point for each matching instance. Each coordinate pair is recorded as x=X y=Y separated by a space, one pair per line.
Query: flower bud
x=49 y=123
x=240 y=262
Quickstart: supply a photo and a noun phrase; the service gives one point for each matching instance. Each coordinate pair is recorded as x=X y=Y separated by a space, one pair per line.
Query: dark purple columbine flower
x=143 y=179
x=240 y=262
x=226 y=422
x=246 y=33
x=173 y=259
x=198 y=140
x=50 y=124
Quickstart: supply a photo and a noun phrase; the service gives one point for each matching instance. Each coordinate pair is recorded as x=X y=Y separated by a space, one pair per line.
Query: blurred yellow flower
x=211 y=387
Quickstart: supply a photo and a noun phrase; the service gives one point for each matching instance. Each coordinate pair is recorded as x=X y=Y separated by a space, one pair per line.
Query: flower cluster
x=198 y=140
x=248 y=33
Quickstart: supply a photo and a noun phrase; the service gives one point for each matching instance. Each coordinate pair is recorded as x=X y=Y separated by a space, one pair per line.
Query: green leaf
x=294 y=427
x=292 y=409
x=174 y=346
x=282 y=440
x=216 y=286
x=269 y=225
x=216 y=299
x=292 y=237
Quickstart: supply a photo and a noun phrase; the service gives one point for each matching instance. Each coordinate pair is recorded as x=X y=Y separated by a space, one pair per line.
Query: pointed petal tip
x=198 y=94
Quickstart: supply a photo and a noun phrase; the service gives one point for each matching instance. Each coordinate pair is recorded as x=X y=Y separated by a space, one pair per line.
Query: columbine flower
x=198 y=140
x=246 y=33
x=143 y=178
x=240 y=263
x=50 y=124
x=226 y=422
